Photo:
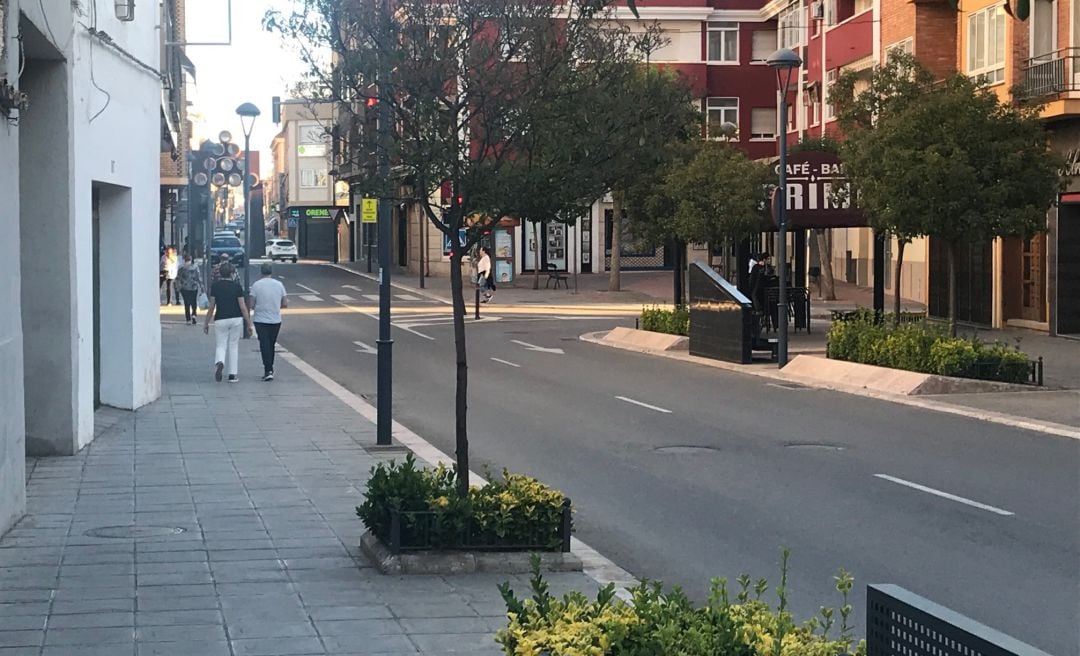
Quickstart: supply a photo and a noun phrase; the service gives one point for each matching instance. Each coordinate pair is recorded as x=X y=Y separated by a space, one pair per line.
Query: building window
x=986 y=44
x=830 y=13
x=719 y=111
x=724 y=42
x=830 y=80
x=863 y=5
x=312 y=178
x=906 y=46
x=791 y=119
x=791 y=25
x=763 y=45
x=763 y=123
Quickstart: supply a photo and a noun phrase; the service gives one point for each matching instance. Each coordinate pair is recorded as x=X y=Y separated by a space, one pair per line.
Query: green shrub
x=952 y=356
x=659 y=621
x=516 y=511
x=926 y=349
x=661 y=320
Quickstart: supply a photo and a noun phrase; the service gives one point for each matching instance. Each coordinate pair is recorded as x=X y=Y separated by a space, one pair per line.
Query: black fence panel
x=901 y=623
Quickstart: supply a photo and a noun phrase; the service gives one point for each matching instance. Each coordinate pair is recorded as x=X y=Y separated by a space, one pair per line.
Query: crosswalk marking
x=406 y=297
x=313 y=298
x=372 y=297
x=344 y=298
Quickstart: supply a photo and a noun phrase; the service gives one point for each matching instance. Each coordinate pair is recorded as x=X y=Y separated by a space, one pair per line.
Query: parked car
x=281 y=249
x=226 y=243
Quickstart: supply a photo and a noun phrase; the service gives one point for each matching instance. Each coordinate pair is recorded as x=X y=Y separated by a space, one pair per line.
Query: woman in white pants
x=230 y=316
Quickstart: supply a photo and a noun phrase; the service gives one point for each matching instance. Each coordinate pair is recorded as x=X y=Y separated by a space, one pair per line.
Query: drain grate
x=686 y=448
x=128 y=532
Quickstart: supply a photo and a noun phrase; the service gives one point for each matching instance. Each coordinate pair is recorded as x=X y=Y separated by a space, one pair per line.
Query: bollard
x=477 y=302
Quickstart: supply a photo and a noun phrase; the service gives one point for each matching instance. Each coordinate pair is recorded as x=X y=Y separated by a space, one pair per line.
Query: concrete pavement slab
x=220 y=520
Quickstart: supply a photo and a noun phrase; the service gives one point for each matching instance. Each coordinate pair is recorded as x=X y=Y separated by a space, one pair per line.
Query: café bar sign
x=818 y=194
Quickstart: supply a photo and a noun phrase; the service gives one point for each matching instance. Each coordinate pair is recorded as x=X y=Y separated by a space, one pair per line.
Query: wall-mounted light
x=125 y=10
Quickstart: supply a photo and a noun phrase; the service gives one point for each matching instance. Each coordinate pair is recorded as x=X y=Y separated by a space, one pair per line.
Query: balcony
x=1049 y=76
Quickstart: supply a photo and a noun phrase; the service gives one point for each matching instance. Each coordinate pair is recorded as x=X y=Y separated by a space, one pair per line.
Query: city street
x=681 y=473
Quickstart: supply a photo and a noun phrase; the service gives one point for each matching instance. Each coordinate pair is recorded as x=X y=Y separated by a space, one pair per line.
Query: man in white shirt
x=268 y=299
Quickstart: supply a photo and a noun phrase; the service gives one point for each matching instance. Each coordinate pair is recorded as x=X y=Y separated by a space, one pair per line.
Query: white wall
x=12 y=448
x=97 y=122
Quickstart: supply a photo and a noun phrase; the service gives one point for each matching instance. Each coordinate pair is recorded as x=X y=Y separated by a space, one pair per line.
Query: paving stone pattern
x=263 y=478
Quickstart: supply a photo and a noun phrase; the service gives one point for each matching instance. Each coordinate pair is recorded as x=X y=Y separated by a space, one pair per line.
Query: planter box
x=646 y=340
x=891 y=381
x=462 y=562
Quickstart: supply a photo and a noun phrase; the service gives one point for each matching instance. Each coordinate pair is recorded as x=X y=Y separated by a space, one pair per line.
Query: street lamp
x=247 y=113
x=786 y=62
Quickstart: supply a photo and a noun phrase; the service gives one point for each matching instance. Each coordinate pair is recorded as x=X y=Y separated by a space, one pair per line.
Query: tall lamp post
x=247 y=113
x=786 y=62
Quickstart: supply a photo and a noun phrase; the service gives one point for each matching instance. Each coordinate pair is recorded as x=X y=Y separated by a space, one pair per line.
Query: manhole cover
x=821 y=446
x=133 y=531
x=686 y=448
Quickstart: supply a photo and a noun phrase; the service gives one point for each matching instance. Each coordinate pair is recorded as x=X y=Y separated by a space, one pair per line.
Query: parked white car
x=281 y=249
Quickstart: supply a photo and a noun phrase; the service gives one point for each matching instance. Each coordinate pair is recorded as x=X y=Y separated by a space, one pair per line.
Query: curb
x=594 y=564
x=1046 y=427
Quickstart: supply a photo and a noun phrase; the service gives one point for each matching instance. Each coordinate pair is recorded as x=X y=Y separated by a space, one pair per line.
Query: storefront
x=316 y=231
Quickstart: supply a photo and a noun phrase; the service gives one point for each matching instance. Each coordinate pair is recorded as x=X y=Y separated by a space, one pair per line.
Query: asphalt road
x=682 y=473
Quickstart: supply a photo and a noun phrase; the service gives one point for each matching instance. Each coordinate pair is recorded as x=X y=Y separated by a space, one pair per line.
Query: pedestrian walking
x=231 y=319
x=190 y=282
x=170 y=265
x=268 y=298
x=215 y=273
x=483 y=271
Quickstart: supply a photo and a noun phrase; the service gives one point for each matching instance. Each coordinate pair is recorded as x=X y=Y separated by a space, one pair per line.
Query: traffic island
x=418 y=523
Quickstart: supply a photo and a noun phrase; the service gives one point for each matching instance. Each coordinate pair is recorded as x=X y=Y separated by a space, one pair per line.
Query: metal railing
x=901 y=623
x=424 y=530
x=1050 y=74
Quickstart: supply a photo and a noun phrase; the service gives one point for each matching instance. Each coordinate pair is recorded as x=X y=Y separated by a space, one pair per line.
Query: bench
x=557 y=276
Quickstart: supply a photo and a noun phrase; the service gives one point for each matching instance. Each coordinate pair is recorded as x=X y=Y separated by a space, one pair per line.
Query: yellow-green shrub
x=658 y=622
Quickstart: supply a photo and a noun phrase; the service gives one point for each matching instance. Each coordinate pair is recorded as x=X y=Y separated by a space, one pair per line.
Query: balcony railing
x=1051 y=74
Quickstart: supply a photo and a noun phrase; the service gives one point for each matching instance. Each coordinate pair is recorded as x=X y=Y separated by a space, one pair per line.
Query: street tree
x=470 y=86
x=708 y=192
x=945 y=159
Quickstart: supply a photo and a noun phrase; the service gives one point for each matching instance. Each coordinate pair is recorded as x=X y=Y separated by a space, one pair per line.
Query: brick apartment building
x=1031 y=282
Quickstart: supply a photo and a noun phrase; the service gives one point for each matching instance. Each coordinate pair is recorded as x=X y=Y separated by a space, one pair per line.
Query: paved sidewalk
x=220 y=520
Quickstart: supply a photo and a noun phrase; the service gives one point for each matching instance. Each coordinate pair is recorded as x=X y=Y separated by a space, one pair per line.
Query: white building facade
x=80 y=257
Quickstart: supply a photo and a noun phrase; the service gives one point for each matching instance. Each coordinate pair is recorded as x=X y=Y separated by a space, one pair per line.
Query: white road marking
x=310 y=297
x=364 y=348
x=506 y=362
x=409 y=329
x=344 y=298
x=406 y=297
x=644 y=405
x=371 y=297
x=541 y=349
x=352 y=287
x=313 y=291
x=945 y=495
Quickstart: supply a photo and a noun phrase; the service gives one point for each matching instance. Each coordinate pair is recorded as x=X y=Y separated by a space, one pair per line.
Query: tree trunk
x=952 y=288
x=826 y=282
x=461 y=391
x=614 y=280
x=536 y=255
x=677 y=277
x=900 y=244
x=709 y=255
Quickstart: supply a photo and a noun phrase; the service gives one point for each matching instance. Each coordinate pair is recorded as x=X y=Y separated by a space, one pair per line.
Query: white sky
x=253 y=69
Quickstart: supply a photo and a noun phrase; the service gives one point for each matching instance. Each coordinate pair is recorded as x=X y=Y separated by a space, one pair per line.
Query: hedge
x=672 y=322
x=664 y=622
x=925 y=349
x=516 y=510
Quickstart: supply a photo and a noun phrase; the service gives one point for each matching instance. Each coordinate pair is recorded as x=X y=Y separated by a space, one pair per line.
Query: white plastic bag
x=203 y=301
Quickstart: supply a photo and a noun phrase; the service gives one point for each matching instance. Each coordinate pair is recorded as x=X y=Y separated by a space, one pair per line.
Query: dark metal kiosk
x=722 y=321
